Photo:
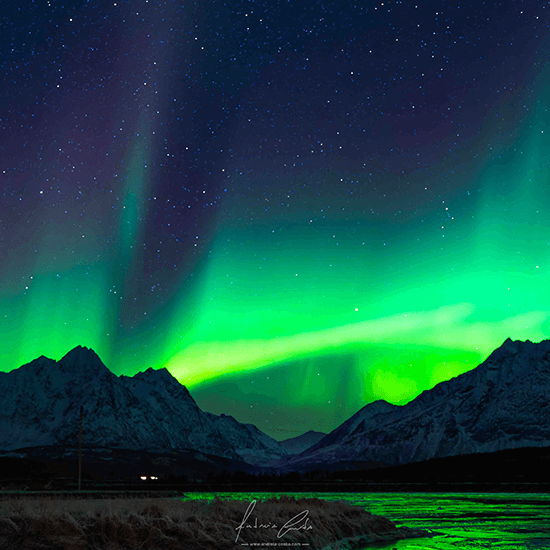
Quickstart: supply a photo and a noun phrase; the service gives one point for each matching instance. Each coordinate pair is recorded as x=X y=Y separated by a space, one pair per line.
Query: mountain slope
x=297 y=445
x=151 y=411
x=504 y=403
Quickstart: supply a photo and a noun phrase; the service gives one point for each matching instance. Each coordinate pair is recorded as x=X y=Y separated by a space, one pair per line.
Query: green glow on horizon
x=284 y=294
x=389 y=386
x=397 y=307
x=62 y=311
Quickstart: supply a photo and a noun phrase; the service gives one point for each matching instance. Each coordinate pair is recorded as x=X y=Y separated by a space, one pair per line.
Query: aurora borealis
x=297 y=208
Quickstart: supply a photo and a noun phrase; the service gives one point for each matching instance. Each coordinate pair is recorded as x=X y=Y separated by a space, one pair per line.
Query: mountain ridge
x=150 y=410
x=297 y=445
x=503 y=403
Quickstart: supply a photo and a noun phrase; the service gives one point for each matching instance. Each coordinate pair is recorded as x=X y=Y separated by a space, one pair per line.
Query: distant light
x=143 y=478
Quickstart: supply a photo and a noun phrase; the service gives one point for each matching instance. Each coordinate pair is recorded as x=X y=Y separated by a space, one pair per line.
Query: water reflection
x=464 y=521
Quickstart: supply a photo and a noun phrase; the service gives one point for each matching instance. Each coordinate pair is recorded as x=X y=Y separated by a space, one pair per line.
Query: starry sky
x=296 y=207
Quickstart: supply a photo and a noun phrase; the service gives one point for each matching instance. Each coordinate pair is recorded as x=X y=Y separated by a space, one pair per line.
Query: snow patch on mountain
x=504 y=403
x=150 y=411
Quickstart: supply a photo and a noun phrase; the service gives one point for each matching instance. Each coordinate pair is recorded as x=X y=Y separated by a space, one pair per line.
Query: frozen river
x=463 y=521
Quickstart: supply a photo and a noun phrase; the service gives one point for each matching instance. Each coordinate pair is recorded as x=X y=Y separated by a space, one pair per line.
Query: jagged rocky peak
x=517 y=353
x=374 y=408
x=152 y=377
x=150 y=411
x=36 y=366
x=156 y=374
x=82 y=361
x=516 y=346
x=508 y=347
x=82 y=355
x=504 y=403
x=41 y=361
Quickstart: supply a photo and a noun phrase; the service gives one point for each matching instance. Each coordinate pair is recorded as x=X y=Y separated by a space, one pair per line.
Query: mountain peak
x=518 y=347
x=156 y=374
x=151 y=411
x=37 y=365
x=501 y=404
x=82 y=359
x=79 y=351
x=152 y=378
x=375 y=407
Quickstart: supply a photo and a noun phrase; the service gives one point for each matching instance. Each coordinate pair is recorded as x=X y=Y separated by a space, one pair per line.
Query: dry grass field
x=158 y=524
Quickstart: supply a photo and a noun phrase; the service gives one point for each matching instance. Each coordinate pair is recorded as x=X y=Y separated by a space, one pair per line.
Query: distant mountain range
x=150 y=411
x=296 y=445
x=504 y=403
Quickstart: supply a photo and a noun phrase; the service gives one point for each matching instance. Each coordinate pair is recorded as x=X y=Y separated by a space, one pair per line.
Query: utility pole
x=80 y=450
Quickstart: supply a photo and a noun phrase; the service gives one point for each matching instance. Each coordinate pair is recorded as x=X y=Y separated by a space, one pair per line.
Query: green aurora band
x=291 y=333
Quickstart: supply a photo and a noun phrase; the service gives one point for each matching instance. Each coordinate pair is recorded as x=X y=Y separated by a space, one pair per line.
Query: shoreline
x=165 y=490
x=160 y=523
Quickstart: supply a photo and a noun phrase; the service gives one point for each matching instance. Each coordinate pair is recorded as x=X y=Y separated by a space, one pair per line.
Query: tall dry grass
x=160 y=524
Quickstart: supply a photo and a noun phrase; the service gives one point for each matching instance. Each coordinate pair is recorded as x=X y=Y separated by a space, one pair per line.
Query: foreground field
x=195 y=525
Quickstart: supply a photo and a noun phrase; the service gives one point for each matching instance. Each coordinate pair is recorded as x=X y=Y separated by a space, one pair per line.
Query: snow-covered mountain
x=296 y=445
x=150 y=411
x=504 y=403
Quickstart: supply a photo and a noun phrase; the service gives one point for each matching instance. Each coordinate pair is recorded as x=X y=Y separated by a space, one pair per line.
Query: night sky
x=297 y=207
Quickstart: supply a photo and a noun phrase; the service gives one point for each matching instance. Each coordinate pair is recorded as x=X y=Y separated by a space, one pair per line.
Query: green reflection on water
x=463 y=521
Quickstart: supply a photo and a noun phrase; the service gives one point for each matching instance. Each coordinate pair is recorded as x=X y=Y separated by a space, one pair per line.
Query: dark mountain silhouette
x=504 y=403
x=296 y=445
x=150 y=411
